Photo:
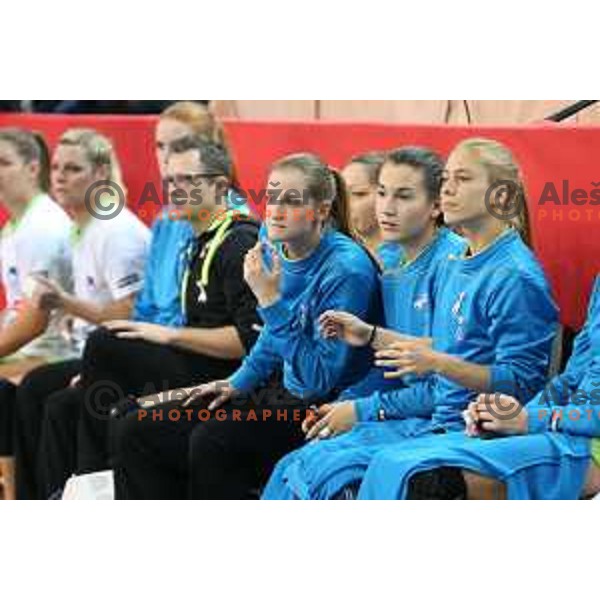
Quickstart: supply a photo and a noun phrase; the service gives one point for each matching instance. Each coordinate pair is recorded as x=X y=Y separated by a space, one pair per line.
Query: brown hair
x=431 y=165
x=322 y=183
x=31 y=147
x=372 y=162
x=213 y=156
x=500 y=165
x=203 y=123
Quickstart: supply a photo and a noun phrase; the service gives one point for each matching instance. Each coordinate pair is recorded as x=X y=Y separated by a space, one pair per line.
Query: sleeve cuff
x=502 y=380
x=275 y=315
x=243 y=380
x=538 y=419
x=120 y=293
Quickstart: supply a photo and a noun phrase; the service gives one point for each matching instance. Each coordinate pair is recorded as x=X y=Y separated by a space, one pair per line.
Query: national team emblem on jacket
x=303 y=315
x=421 y=302
x=459 y=318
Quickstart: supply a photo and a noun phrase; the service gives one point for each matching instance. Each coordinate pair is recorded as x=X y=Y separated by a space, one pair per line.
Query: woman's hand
x=500 y=414
x=341 y=325
x=221 y=392
x=315 y=415
x=408 y=357
x=131 y=330
x=47 y=295
x=265 y=284
x=340 y=417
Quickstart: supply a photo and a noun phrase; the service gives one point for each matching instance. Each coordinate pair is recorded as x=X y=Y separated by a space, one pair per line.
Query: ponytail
x=324 y=184
x=340 y=210
x=44 y=162
x=521 y=221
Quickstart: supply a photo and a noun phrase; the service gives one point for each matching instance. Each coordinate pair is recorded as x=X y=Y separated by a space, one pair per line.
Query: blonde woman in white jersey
x=108 y=259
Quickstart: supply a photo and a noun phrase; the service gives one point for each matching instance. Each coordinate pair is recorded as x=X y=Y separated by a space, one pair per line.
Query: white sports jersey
x=37 y=244
x=109 y=257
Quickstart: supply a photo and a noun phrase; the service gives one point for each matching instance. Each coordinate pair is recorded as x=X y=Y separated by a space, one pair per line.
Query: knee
x=98 y=342
x=63 y=405
x=206 y=445
x=33 y=387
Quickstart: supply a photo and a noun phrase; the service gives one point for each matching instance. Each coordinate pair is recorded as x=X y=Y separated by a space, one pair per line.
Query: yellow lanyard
x=210 y=251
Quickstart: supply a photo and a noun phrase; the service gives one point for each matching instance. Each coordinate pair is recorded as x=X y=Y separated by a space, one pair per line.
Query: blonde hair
x=98 y=150
x=500 y=165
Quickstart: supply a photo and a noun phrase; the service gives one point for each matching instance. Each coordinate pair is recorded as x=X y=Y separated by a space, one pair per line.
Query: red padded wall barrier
x=566 y=236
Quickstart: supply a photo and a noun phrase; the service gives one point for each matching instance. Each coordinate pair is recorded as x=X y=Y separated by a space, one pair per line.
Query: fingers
x=331 y=323
x=197 y=392
x=129 y=335
x=491 y=425
x=472 y=410
x=398 y=349
x=401 y=363
x=404 y=363
x=486 y=415
x=332 y=316
x=339 y=317
x=330 y=330
x=221 y=399
x=398 y=374
x=252 y=266
x=155 y=399
x=324 y=409
x=307 y=424
x=118 y=324
x=276 y=264
x=319 y=429
x=316 y=414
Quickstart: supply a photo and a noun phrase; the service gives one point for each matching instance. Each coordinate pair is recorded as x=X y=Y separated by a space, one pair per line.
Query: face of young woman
x=17 y=178
x=167 y=131
x=189 y=188
x=72 y=175
x=464 y=186
x=403 y=209
x=290 y=215
x=362 y=194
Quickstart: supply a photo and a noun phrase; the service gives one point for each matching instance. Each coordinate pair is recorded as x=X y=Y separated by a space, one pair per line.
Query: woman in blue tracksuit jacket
x=548 y=450
x=493 y=329
x=414 y=248
x=253 y=418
